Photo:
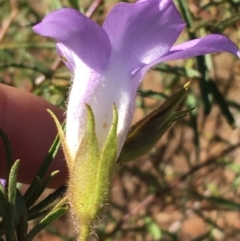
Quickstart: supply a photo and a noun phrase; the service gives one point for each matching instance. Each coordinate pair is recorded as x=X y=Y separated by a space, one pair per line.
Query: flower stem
x=84 y=232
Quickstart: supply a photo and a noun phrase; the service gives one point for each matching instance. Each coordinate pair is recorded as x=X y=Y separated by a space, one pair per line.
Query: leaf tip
x=187 y=85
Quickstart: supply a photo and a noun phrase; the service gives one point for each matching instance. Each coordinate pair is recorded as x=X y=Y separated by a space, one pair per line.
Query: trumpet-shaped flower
x=109 y=62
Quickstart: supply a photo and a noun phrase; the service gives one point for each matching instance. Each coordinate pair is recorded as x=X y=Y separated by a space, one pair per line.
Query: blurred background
x=187 y=187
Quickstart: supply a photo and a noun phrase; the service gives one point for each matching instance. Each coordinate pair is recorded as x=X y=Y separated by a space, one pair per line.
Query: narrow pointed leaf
x=193 y=101
x=152 y=94
x=233 y=104
x=22 y=214
x=38 y=185
x=48 y=203
x=33 y=192
x=49 y=157
x=12 y=190
x=55 y=214
x=3 y=209
x=221 y=26
x=202 y=67
x=179 y=115
x=3 y=200
x=144 y=134
x=47 y=181
x=12 y=183
x=204 y=84
x=220 y=100
x=8 y=150
x=220 y=202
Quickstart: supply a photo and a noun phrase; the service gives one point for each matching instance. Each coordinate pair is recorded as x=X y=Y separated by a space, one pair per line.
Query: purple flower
x=3 y=182
x=109 y=62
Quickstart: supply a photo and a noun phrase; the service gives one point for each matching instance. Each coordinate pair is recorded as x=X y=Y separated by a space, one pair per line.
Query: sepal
x=145 y=133
x=82 y=179
x=90 y=172
x=66 y=151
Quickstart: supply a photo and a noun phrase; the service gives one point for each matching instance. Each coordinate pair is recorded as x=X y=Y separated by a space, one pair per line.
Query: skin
x=31 y=131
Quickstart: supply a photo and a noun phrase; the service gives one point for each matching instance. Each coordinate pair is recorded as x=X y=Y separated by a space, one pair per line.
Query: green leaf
x=152 y=94
x=50 y=156
x=192 y=101
x=74 y=4
x=201 y=62
x=219 y=202
x=52 y=216
x=12 y=183
x=3 y=200
x=233 y=104
x=38 y=185
x=155 y=231
x=12 y=190
x=3 y=209
x=18 y=45
x=224 y=203
x=46 y=204
x=47 y=181
x=221 y=26
x=33 y=192
x=220 y=100
x=236 y=183
x=204 y=84
x=153 y=228
x=7 y=149
x=235 y=167
x=178 y=71
x=186 y=14
x=179 y=115
x=22 y=216
x=145 y=133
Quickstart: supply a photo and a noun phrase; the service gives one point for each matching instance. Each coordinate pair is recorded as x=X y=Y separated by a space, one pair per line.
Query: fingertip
x=30 y=130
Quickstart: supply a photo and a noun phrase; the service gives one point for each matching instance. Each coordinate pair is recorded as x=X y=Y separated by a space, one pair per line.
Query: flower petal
x=78 y=33
x=206 y=45
x=85 y=81
x=100 y=91
x=142 y=32
x=115 y=87
x=66 y=55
